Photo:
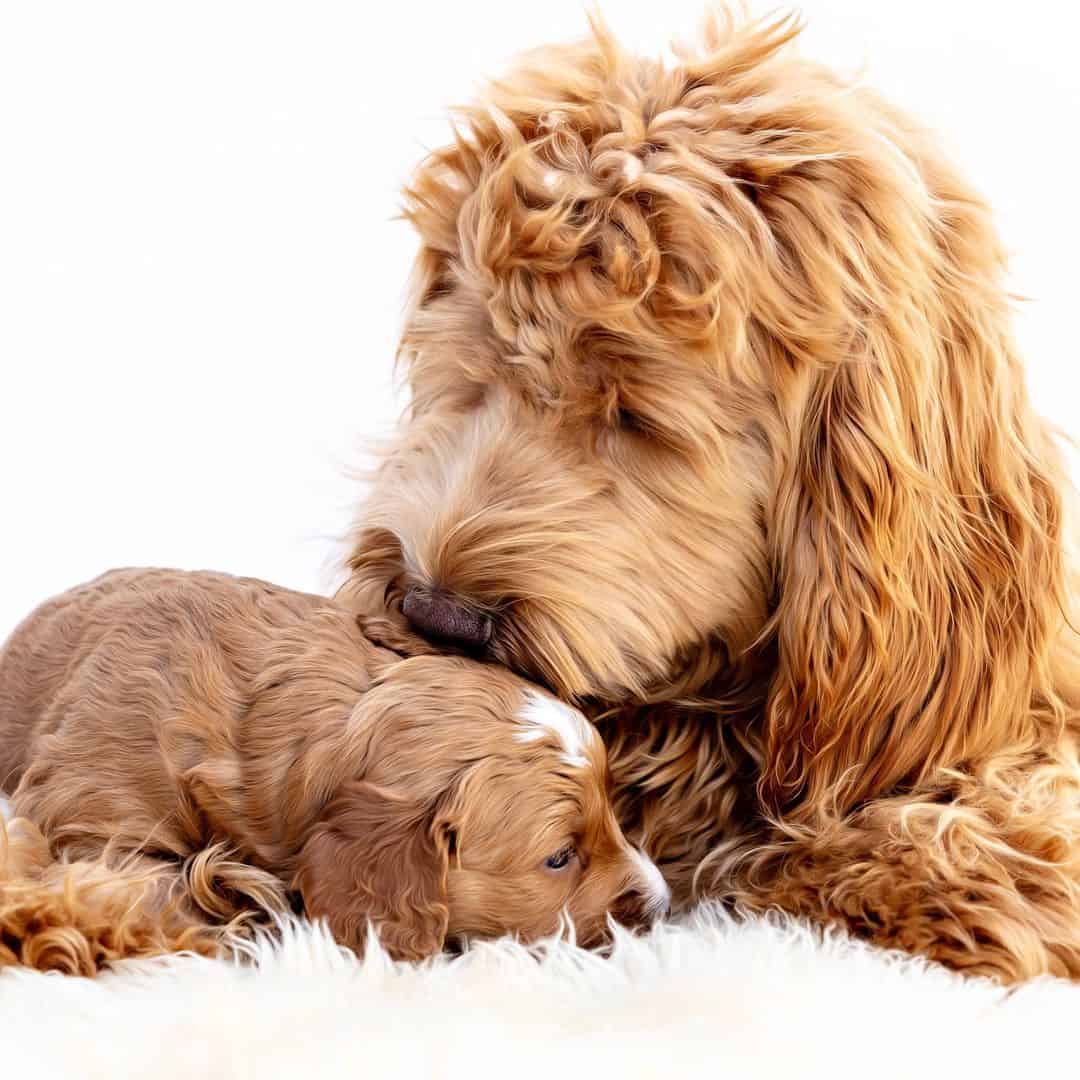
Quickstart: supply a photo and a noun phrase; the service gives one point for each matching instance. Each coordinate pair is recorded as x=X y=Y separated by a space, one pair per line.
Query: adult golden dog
x=718 y=428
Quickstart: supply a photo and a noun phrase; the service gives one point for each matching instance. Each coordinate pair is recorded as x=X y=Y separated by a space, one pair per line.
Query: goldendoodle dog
x=718 y=428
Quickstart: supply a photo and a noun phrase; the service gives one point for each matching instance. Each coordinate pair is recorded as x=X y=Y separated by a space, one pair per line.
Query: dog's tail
x=78 y=917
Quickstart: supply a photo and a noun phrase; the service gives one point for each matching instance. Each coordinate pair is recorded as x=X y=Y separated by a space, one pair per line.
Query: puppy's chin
x=596 y=934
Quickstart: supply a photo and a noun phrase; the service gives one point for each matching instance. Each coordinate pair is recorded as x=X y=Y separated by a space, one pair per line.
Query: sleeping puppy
x=154 y=714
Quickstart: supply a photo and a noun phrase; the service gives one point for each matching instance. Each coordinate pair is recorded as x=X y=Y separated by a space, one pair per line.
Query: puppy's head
x=460 y=801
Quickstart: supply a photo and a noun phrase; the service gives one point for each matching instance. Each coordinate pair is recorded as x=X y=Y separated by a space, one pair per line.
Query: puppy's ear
x=377 y=855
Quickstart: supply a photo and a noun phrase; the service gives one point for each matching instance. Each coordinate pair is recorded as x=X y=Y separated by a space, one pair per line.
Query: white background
x=201 y=277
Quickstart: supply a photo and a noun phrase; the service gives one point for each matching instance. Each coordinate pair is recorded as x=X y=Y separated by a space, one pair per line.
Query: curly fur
x=718 y=418
x=80 y=916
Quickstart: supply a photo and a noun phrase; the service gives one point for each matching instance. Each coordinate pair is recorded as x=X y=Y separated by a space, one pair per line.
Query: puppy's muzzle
x=640 y=906
x=444 y=619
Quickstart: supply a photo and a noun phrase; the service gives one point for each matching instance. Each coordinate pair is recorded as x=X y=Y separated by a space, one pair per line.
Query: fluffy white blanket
x=706 y=997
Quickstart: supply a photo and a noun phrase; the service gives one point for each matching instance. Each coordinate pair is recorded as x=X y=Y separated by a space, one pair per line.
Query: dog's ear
x=916 y=533
x=378 y=856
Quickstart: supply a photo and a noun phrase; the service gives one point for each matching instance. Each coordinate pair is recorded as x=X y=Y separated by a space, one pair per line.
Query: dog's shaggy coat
x=718 y=427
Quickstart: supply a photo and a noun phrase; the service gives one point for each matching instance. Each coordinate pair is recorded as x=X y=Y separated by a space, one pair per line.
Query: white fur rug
x=709 y=997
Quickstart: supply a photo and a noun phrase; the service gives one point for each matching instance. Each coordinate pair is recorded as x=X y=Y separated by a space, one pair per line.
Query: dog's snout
x=444 y=619
x=638 y=906
x=646 y=897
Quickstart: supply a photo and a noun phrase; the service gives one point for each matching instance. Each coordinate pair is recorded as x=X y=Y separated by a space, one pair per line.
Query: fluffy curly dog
x=719 y=429
x=150 y=720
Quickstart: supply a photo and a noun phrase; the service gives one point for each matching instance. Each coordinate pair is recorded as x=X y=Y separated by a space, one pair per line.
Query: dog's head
x=711 y=368
x=460 y=801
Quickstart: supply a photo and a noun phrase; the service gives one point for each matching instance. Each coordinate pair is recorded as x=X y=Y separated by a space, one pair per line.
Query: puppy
x=154 y=714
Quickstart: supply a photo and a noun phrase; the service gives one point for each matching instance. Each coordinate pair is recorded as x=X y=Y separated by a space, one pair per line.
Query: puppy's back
x=40 y=656
x=141 y=628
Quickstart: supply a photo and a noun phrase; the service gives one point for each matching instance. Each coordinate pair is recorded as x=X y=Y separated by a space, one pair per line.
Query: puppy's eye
x=561 y=859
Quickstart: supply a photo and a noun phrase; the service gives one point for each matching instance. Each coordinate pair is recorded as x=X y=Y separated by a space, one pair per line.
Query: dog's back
x=128 y=639
x=40 y=656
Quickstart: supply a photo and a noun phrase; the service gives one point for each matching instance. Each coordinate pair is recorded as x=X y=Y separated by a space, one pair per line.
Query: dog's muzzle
x=444 y=619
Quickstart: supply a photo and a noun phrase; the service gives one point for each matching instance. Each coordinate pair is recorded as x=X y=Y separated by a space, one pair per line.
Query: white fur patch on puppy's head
x=543 y=716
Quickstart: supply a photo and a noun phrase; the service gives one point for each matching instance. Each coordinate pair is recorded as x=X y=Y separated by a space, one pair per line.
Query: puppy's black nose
x=444 y=619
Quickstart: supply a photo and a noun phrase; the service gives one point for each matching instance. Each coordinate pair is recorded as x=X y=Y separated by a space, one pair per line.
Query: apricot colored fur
x=718 y=418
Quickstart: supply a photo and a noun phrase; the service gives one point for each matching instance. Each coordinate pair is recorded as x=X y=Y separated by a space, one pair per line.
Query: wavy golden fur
x=77 y=917
x=718 y=427
x=191 y=750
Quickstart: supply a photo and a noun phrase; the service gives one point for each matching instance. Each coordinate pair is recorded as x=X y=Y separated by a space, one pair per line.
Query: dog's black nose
x=444 y=619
